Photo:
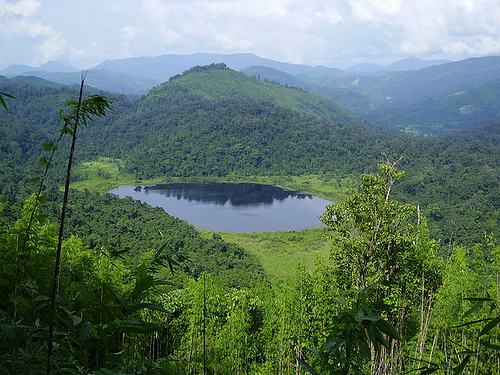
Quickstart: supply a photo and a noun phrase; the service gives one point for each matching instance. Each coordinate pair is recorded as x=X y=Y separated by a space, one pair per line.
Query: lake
x=233 y=208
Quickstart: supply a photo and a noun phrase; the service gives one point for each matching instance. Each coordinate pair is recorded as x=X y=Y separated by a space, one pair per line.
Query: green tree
x=370 y=227
x=375 y=239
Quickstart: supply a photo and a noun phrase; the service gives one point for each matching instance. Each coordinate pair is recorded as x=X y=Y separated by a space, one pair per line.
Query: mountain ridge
x=382 y=96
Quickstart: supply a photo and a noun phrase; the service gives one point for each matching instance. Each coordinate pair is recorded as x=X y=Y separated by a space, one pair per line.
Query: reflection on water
x=226 y=193
x=232 y=208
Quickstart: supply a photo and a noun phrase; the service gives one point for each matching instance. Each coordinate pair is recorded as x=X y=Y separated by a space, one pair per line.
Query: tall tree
x=375 y=239
x=82 y=111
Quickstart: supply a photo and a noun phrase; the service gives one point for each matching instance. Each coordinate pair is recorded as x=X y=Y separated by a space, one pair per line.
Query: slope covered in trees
x=385 y=303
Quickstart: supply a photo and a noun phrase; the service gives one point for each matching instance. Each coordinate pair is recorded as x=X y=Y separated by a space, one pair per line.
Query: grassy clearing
x=102 y=175
x=282 y=253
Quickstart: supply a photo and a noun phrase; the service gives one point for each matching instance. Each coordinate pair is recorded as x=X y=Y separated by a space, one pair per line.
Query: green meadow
x=103 y=174
x=282 y=254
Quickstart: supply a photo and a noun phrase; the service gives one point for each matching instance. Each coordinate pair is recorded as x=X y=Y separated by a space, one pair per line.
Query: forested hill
x=217 y=82
x=435 y=100
x=218 y=122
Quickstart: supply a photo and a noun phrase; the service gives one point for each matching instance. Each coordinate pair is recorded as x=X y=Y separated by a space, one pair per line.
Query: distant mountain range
x=155 y=70
x=411 y=95
x=51 y=66
x=410 y=63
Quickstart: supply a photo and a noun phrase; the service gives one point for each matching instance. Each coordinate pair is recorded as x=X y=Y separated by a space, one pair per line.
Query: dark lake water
x=234 y=208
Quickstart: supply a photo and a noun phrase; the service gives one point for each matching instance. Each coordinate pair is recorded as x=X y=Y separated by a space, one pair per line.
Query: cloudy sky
x=335 y=33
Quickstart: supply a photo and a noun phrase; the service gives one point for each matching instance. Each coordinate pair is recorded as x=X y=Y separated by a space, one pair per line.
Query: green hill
x=221 y=83
x=100 y=79
x=221 y=122
x=456 y=111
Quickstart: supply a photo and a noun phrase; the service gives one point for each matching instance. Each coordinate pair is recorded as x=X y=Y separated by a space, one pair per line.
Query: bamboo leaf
x=388 y=329
x=473 y=309
x=2 y=100
x=490 y=326
x=492 y=347
x=379 y=336
x=122 y=301
x=141 y=286
x=462 y=365
x=478 y=299
x=422 y=361
x=429 y=371
x=49 y=146
x=43 y=162
x=306 y=366
x=137 y=326
x=470 y=323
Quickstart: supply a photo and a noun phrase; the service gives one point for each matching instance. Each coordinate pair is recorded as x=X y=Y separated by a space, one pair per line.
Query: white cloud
x=311 y=31
x=51 y=47
x=129 y=33
x=25 y=8
x=436 y=27
x=22 y=31
x=156 y=10
x=273 y=27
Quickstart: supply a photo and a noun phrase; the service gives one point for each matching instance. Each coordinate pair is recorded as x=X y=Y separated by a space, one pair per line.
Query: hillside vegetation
x=222 y=83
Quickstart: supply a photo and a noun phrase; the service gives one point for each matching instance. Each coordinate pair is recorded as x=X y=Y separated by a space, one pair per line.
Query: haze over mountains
x=412 y=95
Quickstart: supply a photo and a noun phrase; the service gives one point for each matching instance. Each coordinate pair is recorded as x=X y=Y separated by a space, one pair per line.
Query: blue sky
x=335 y=33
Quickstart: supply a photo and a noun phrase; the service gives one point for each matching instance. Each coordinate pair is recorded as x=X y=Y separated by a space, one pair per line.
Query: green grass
x=282 y=253
x=103 y=174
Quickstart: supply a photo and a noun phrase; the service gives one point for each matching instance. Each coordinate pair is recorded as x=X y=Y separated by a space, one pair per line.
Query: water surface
x=233 y=208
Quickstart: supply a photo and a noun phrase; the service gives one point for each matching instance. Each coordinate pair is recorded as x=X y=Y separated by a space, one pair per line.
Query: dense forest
x=411 y=284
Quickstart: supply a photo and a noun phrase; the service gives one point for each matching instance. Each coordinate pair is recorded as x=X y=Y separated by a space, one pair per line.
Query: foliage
x=374 y=239
x=372 y=230
x=355 y=332
x=218 y=313
x=128 y=228
x=251 y=128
